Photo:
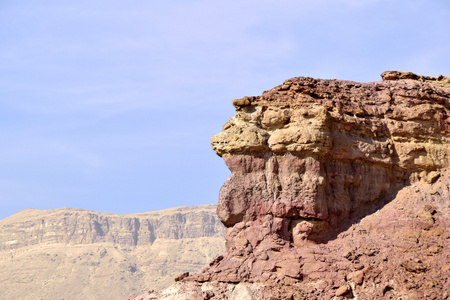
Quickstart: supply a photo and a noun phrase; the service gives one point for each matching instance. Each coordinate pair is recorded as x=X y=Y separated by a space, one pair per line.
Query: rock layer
x=323 y=149
x=79 y=254
x=71 y=226
x=337 y=189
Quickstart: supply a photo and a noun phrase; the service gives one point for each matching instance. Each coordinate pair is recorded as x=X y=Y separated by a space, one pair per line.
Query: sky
x=110 y=105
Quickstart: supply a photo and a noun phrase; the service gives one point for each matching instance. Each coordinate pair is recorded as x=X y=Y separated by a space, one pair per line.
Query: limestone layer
x=79 y=254
x=71 y=226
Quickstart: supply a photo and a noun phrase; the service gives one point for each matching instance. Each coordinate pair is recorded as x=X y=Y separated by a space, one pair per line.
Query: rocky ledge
x=338 y=189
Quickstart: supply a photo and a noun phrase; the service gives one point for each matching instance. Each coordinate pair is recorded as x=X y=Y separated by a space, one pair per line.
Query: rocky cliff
x=78 y=254
x=338 y=189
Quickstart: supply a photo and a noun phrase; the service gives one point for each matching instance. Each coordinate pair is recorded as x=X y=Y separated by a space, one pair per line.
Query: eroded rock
x=337 y=189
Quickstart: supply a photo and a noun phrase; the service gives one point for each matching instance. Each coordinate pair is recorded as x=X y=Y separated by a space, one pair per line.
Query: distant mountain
x=72 y=254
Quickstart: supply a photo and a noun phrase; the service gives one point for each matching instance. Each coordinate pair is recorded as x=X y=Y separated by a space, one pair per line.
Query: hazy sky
x=110 y=105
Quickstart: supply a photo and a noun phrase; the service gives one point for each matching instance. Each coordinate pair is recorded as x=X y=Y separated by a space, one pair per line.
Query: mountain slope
x=78 y=254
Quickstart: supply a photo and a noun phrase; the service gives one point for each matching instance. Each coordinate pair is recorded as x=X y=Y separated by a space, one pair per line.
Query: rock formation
x=338 y=189
x=79 y=254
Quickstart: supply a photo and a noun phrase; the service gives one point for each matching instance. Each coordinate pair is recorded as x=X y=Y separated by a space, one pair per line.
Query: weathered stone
x=310 y=156
x=342 y=290
x=334 y=180
x=182 y=276
x=416 y=265
x=356 y=277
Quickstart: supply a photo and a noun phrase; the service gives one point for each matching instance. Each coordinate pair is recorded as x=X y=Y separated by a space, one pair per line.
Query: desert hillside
x=71 y=253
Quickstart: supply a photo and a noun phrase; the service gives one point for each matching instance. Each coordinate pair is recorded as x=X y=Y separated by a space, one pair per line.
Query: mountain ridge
x=72 y=253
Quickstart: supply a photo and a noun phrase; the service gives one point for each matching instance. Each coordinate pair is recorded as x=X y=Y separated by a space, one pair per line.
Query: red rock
x=182 y=276
x=356 y=277
x=342 y=290
x=332 y=176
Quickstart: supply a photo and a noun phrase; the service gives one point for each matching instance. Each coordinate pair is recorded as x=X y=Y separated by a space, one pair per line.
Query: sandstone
x=342 y=290
x=182 y=276
x=337 y=188
x=416 y=266
x=356 y=277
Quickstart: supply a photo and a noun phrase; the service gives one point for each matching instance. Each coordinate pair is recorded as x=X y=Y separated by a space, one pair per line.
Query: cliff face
x=337 y=189
x=321 y=150
x=79 y=254
x=78 y=227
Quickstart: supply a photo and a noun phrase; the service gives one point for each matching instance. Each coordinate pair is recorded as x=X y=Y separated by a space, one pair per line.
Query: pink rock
x=356 y=277
x=332 y=176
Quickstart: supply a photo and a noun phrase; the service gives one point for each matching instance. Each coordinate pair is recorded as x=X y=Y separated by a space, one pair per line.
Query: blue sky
x=110 y=105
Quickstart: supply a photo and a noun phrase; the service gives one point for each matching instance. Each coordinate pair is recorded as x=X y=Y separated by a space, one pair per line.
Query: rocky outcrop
x=79 y=254
x=337 y=189
x=399 y=252
x=317 y=151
